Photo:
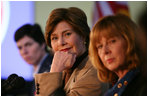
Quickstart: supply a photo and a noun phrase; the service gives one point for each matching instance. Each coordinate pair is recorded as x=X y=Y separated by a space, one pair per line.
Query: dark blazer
x=45 y=67
x=138 y=87
x=132 y=84
x=46 y=64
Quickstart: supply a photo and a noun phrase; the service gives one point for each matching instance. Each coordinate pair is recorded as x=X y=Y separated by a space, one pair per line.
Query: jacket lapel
x=83 y=67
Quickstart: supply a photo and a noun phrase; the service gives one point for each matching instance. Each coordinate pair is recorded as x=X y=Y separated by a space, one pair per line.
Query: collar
x=79 y=60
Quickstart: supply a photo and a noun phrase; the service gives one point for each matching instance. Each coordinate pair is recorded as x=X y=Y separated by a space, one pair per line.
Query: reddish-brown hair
x=109 y=26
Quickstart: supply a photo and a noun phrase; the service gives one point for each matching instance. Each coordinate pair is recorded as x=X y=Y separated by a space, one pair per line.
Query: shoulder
x=85 y=76
x=48 y=58
x=86 y=72
x=46 y=64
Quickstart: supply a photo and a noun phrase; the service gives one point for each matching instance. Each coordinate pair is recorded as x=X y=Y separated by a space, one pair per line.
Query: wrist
x=55 y=69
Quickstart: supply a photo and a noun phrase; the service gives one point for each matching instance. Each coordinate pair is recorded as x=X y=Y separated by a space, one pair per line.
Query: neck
x=35 y=66
x=79 y=59
x=121 y=73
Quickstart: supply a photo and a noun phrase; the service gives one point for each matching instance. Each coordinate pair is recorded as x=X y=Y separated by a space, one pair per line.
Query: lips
x=27 y=58
x=110 y=60
x=65 y=50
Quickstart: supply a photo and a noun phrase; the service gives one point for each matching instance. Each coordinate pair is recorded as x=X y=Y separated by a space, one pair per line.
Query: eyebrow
x=52 y=34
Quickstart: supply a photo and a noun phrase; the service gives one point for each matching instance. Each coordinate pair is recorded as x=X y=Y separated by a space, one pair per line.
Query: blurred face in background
x=112 y=52
x=64 y=38
x=30 y=50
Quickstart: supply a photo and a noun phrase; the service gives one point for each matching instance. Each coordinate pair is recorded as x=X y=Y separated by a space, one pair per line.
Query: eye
x=28 y=44
x=99 y=46
x=113 y=41
x=67 y=34
x=54 y=38
x=19 y=47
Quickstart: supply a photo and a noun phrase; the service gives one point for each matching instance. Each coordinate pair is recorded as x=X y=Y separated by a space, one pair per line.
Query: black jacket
x=138 y=87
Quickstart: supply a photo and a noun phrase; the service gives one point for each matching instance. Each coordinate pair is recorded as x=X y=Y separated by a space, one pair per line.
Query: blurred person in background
x=113 y=52
x=32 y=48
x=72 y=73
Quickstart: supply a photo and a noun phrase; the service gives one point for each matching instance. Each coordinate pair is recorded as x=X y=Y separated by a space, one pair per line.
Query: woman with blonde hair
x=113 y=52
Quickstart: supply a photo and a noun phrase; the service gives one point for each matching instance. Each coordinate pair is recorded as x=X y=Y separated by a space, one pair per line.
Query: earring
x=84 y=42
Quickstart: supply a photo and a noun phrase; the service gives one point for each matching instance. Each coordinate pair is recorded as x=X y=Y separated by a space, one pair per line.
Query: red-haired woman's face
x=112 y=52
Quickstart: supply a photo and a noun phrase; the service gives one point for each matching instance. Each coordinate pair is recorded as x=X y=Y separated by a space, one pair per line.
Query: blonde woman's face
x=112 y=52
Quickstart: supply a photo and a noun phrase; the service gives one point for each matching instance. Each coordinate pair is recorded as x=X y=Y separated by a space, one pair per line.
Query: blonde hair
x=109 y=26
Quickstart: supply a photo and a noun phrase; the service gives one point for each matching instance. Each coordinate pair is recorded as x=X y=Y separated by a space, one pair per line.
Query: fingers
x=62 y=60
x=70 y=61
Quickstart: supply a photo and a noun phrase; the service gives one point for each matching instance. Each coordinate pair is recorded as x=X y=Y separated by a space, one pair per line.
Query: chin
x=111 y=69
x=30 y=63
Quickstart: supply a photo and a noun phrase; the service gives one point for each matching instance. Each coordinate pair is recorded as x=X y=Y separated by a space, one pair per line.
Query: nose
x=61 y=41
x=106 y=49
x=24 y=51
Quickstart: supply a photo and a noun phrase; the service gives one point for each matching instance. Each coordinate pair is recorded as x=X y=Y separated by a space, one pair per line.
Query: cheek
x=101 y=56
x=120 y=53
x=54 y=47
x=122 y=57
x=75 y=46
x=36 y=50
x=21 y=52
x=78 y=46
x=121 y=49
